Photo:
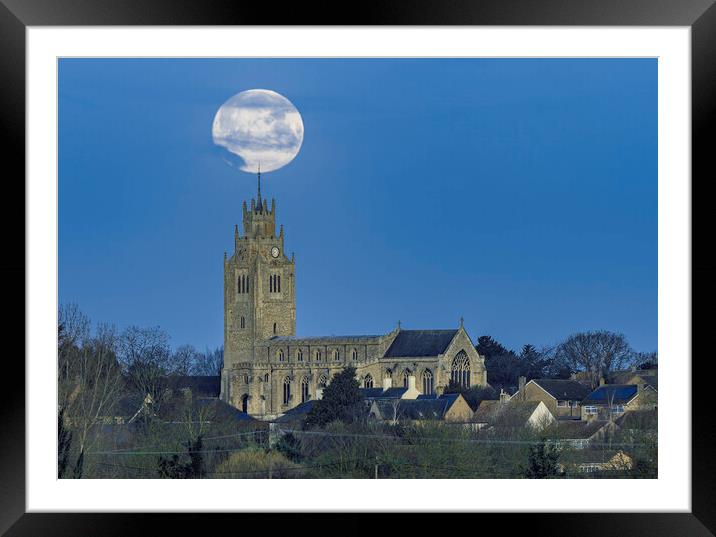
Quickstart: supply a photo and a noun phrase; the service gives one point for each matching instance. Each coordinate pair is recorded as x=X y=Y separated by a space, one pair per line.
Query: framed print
x=493 y=203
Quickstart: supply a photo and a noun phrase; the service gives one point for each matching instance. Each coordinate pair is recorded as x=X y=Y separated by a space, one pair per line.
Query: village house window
x=561 y=403
x=618 y=409
x=286 y=390
x=590 y=410
x=461 y=370
x=427 y=382
x=368 y=381
x=304 y=390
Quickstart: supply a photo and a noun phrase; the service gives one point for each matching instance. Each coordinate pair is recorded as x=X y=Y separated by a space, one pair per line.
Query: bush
x=258 y=464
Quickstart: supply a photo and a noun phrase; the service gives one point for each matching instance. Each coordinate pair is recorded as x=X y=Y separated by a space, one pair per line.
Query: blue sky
x=519 y=194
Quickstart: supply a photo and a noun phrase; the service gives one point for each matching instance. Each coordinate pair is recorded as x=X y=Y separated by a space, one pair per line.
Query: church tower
x=259 y=285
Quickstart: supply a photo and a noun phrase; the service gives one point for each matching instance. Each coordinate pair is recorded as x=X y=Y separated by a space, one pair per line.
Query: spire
x=258 y=199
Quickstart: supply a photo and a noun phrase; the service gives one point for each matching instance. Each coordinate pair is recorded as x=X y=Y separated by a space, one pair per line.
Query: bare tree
x=598 y=353
x=97 y=385
x=209 y=362
x=184 y=360
x=145 y=357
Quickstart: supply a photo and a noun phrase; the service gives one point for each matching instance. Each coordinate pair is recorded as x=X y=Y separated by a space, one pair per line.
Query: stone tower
x=259 y=285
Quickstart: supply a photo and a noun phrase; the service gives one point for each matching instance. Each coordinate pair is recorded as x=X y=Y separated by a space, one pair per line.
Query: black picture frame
x=699 y=15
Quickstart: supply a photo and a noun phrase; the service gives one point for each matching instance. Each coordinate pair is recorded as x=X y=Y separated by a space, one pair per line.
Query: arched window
x=406 y=376
x=274 y=328
x=304 y=390
x=299 y=356
x=336 y=355
x=322 y=381
x=281 y=357
x=354 y=354
x=388 y=373
x=246 y=379
x=368 y=381
x=279 y=282
x=461 y=369
x=266 y=377
x=318 y=356
x=286 y=390
x=271 y=283
x=427 y=382
x=247 y=284
x=245 y=403
x=243 y=322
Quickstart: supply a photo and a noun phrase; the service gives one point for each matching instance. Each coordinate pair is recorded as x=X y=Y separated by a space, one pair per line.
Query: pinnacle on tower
x=259 y=205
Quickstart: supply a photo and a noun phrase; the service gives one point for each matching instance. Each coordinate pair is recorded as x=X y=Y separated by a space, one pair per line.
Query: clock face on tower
x=274 y=251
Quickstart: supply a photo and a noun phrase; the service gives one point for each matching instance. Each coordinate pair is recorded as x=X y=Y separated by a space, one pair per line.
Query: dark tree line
x=594 y=354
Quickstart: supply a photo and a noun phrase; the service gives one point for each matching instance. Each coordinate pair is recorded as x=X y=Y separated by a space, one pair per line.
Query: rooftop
x=409 y=343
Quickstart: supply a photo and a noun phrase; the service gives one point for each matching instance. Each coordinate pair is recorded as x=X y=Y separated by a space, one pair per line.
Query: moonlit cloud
x=261 y=127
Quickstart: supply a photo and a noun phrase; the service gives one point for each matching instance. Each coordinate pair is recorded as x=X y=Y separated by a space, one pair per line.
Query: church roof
x=420 y=343
x=322 y=340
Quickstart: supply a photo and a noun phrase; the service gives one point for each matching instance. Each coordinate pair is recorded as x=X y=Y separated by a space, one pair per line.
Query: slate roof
x=512 y=413
x=410 y=343
x=200 y=386
x=563 y=389
x=638 y=419
x=320 y=340
x=577 y=430
x=222 y=411
x=379 y=393
x=612 y=394
x=485 y=412
x=296 y=413
x=415 y=409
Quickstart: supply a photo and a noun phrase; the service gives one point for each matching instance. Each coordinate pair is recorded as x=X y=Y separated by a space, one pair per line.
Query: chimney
x=521 y=382
x=387 y=383
x=504 y=396
x=412 y=392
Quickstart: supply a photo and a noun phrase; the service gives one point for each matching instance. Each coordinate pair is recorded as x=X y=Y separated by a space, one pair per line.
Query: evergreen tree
x=542 y=462
x=341 y=401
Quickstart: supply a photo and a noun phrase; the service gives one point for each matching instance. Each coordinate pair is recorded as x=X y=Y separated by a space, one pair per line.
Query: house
x=450 y=408
x=586 y=461
x=612 y=400
x=513 y=414
x=637 y=425
x=563 y=397
x=636 y=376
x=578 y=434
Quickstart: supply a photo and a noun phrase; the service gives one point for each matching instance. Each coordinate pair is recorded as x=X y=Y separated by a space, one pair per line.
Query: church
x=268 y=369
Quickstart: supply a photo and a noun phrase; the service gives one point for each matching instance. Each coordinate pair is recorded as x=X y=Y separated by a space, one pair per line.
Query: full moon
x=261 y=127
